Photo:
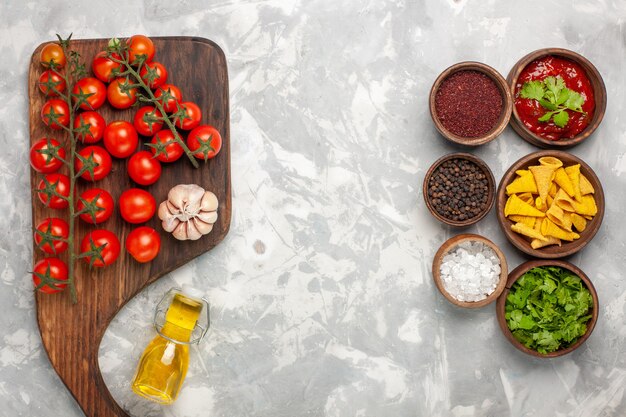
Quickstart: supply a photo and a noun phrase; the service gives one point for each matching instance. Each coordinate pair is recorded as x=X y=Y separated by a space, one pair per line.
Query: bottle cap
x=192 y=292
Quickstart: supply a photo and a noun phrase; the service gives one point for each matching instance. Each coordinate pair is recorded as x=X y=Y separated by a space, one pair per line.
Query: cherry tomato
x=165 y=149
x=102 y=201
x=205 y=141
x=143 y=243
x=104 y=242
x=120 y=139
x=51 y=84
x=146 y=121
x=140 y=45
x=104 y=68
x=41 y=158
x=120 y=95
x=58 y=228
x=169 y=105
x=96 y=126
x=50 y=270
x=55 y=113
x=52 y=53
x=58 y=183
x=137 y=205
x=158 y=74
x=93 y=86
x=143 y=168
x=194 y=115
x=96 y=156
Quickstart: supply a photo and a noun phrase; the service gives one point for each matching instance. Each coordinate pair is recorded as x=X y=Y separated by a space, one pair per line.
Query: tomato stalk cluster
x=118 y=53
x=75 y=71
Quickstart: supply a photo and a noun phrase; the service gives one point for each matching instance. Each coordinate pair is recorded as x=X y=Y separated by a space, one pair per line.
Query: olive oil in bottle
x=163 y=365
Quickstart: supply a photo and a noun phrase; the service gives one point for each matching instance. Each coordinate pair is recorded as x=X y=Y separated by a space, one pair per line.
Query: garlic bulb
x=189 y=212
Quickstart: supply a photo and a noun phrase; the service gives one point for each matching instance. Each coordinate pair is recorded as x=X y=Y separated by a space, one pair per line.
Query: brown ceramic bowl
x=491 y=189
x=507 y=103
x=566 y=248
x=451 y=244
x=521 y=270
x=599 y=91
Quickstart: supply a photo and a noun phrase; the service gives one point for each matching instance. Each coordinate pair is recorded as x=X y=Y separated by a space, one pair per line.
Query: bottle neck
x=181 y=317
x=176 y=333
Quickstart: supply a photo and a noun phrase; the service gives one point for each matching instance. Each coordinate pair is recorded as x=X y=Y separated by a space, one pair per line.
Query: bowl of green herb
x=548 y=308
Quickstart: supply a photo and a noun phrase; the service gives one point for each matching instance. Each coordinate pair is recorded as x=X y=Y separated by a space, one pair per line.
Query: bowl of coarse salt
x=470 y=270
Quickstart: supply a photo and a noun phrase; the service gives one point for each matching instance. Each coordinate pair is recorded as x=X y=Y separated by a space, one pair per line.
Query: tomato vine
x=118 y=53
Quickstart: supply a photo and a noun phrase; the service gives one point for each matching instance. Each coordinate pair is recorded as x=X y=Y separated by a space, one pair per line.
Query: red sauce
x=575 y=79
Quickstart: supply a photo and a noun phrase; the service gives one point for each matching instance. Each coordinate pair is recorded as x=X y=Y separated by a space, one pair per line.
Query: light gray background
x=323 y=304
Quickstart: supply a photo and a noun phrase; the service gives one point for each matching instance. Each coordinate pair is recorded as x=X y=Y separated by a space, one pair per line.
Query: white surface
x=322 y=300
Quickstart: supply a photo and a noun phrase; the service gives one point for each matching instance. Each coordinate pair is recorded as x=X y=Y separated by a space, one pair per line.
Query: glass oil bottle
x=163 y=365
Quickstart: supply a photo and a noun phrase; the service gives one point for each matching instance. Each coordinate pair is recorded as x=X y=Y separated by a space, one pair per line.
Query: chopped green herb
x=548 y=309
x=552 y=94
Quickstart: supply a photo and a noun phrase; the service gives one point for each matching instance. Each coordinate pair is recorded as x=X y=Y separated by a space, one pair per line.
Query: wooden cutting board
x=71 y=333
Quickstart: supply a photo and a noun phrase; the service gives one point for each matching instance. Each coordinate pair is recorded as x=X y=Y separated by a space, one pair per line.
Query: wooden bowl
x=554 y=251
x=507 y=103
x=515 y=275
x=450 y=244
x=599 y=91
x=490 y=196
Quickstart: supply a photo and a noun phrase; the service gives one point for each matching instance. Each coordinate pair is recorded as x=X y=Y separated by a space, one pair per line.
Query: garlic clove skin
x=192 y=232
x=181 y=195
x=209 y=202
x=203 y=227
x=207 y=216
x=180 y=232
x=171 y=207
x=170 y=224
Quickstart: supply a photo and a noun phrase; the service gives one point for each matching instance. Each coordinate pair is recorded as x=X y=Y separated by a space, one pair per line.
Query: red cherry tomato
x=147 y=122
x=120 y=139
x=93 y=86
x=51 y=84
x=165 y=149
x=143 y=243
x=55 y=113
x=104 y=242
x=104 y=68
x=205 y=141
x=120 y=94
x=51 y=270
x=59 y=230
x=96 y=126
x=58 y=183
x=52 y=53
x=137 y=205
x=158 y=74
x=140 y=45
x=102 y=201
x=143 y=168
x=170 y=103
x=100 y=158
x=194 y=115
x=41 y=157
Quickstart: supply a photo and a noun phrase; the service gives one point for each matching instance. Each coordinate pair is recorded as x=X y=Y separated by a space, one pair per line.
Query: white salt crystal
x=470 y=271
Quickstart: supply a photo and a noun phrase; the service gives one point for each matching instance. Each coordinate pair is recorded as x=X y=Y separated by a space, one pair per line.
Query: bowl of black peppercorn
x=459 y=189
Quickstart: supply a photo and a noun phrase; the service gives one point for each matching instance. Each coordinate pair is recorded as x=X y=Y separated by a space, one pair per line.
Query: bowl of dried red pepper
x=559 y=98
x=470 y=103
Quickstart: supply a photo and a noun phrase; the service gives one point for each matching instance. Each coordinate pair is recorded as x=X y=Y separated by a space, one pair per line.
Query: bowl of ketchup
x=534 y=118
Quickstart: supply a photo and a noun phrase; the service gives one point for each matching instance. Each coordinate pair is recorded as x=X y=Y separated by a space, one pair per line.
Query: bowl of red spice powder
x=559 y=98
x=470 y=103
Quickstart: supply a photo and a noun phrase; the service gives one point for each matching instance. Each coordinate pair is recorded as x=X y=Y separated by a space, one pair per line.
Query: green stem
x=159 y=106
x=69 y=163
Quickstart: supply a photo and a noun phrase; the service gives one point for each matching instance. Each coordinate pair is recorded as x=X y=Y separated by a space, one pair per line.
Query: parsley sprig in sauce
x=555 y=97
